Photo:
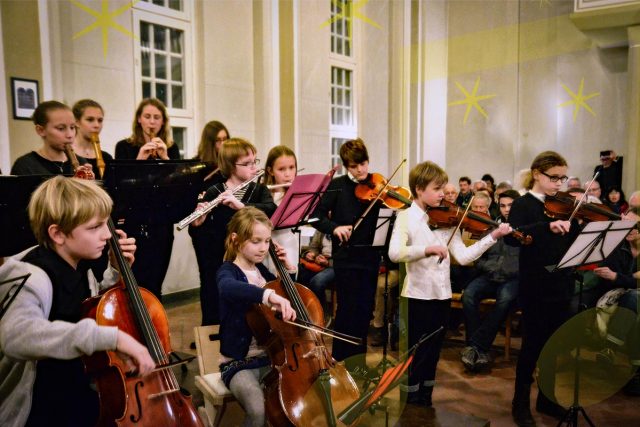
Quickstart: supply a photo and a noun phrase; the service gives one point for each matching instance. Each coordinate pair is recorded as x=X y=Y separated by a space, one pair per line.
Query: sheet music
x=382 y=227
x=303 y=189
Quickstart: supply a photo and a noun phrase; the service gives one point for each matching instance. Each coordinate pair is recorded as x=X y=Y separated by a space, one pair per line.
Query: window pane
x=146 y=65
x=161 y=93
x=176 y=97
x=161 y=66
x=159 y=36
x=176 y=41
x=146 y=90
x=175 y=4
x=176 y=69
x=339 y=116
x=347 y=98
x=144 y=34
x=179 y=136
x=158 y=2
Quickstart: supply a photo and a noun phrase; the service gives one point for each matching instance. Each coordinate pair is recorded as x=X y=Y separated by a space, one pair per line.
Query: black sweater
x=127 y=151
x=340 y=200
x=536 y=282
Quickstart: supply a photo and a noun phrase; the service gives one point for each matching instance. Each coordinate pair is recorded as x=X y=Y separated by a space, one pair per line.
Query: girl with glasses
x=238 y=164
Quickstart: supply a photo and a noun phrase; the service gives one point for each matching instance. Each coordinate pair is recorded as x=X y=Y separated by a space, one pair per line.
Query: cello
x=306 y=386
x=125 y=399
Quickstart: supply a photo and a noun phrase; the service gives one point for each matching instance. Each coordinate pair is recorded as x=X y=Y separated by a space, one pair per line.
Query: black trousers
x=209 y=261
x=541 y=319
x=356 y=289
x=154 y=243
x=424 y=317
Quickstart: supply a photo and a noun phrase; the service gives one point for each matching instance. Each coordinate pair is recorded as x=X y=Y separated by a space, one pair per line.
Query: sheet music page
x=294 y=204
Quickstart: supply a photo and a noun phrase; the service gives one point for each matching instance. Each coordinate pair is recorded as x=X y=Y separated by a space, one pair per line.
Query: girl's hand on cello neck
x=281 y=253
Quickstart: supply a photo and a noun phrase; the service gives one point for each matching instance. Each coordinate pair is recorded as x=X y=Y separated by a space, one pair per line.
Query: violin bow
x=464 y=215
x=583 y=197
x=373 y=202
x=321 y=330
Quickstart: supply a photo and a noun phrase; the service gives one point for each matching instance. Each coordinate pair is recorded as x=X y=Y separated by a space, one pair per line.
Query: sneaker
x=469 y=357
x=606 y=356
x=482 y=361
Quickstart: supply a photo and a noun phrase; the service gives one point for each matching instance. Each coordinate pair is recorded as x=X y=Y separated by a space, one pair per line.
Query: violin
x=306 y=386
x=375 y=187
x=449 y=215
x=562 y=206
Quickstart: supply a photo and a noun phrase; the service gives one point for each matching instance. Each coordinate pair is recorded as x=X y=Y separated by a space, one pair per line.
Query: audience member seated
x=464 y=183
x=479 y=185
x=378 y=322
x=450 y=193
x=574 y=182
x=614 y=198
x=622 y=331
x=316 y=268
x=610 y=169
x=634 y=200
x=595 y=191
x=491 y=183
x=498 y=279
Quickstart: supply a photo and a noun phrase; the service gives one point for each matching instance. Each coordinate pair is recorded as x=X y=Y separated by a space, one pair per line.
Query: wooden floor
x=460 y=398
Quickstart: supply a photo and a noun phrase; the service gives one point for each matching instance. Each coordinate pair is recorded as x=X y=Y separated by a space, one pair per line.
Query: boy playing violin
x=43 y=334
x=427 y=285
x=355 y=262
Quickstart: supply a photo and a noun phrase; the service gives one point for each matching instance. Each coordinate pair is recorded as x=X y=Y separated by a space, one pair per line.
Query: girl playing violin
x=281 y=168
x=544 y=296
x=241 y=280
x=238 y=163
x=427 y=286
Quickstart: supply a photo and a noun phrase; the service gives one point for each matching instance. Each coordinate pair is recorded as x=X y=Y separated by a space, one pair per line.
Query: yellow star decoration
x=104 y=20
x=579 y=99
x=471 y=99
x=344 y=14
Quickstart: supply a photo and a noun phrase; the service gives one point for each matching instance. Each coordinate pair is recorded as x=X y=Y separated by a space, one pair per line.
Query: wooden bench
x=486 y=305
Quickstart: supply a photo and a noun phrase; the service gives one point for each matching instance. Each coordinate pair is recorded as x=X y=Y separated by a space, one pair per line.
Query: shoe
x=422 y=397
x=632 y=388
x=377 y=338
x=483 y=360
x=520 y=406
x=549 y=407
x=606 y=356
x=469 y=357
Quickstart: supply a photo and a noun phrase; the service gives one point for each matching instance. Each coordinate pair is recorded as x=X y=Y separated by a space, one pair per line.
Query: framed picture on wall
x=25 y=97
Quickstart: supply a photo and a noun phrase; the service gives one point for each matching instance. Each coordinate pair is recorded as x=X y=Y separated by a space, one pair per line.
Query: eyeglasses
x=252 y=164
x=556 y=178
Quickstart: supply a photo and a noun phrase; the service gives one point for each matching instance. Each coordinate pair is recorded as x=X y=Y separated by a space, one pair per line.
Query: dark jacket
x=236 y=298
x=127 y=151
x=500 y=262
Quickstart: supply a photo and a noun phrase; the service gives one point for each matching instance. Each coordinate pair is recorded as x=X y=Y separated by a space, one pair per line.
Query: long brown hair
x=207 y=148
x=542 y=163
x=274 y=154
x=137 y=137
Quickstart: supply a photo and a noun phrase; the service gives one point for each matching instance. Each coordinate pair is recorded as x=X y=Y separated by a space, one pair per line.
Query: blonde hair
x=68 y=203
x=231 y=151
x=423 y=173
x=542 y=163
x=484 y=195
x=240 y=229
x=137 y=137
x=274 y=154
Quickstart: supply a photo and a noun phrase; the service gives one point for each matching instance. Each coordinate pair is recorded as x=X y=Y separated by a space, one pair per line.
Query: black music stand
x=12 y=293
x=15 y=193
x=154 y=192
x=593 y=245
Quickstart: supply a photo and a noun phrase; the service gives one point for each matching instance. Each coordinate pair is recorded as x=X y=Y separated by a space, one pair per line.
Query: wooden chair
x=215 y=393
x=488 y=304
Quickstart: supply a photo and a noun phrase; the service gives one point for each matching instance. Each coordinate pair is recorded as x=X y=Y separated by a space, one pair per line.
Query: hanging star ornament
x=343 y=5
x=105 y=19
x=471 y=100
x=578 y=99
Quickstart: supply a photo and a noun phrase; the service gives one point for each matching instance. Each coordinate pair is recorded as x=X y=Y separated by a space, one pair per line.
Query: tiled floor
x=458 y=395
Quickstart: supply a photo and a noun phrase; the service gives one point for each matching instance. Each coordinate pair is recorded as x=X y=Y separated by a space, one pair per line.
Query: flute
x=284 y=185
x=209 y=206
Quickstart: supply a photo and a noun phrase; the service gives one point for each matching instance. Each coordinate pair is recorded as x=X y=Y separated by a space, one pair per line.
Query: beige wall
x=21 y=59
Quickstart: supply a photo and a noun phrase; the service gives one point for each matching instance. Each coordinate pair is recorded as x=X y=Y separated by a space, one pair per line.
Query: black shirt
x=127 y=151
x=34 y=164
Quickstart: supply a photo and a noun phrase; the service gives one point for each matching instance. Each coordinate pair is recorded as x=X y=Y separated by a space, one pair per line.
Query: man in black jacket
x=498 y=279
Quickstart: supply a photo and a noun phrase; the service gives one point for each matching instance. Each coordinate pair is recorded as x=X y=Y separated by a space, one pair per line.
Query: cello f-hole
x=295 y=357
x=132 y=417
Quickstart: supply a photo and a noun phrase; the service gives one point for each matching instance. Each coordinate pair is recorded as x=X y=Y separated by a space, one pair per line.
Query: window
x=343 y=123
x=163 y=64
